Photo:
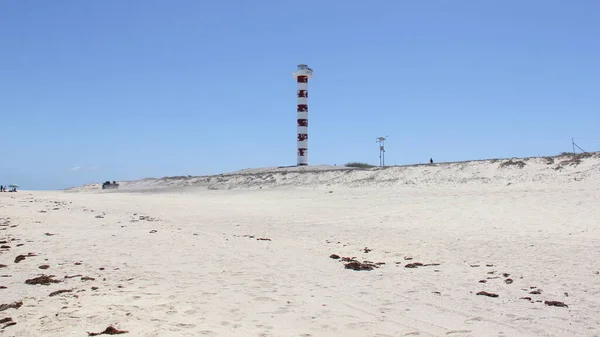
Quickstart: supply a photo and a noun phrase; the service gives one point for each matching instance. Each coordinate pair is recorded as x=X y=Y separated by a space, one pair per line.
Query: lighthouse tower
x=302 y=74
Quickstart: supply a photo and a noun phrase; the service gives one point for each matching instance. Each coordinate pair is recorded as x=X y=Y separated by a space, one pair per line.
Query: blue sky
x=114 y=90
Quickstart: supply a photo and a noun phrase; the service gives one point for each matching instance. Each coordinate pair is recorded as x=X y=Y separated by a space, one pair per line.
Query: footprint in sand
x=266 y=327
x=453 y=332
x=264 y=299
x=281 y=311
x=477 y=319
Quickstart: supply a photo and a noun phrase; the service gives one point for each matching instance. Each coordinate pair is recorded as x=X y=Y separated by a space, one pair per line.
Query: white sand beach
x=250 y=253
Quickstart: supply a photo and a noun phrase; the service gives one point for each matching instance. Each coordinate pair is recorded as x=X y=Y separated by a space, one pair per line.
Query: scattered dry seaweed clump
x=353 y=264
x=43 y=280
x=21 y=257
x=9 y=322
x=555 y=304
x=108 y=331
x=485 y=293
x=13 y=305
x=419 y=264
x=58 y=292
x=413 y=265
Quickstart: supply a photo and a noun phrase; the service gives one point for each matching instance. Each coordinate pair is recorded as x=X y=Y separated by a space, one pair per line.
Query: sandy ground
x=257 y=262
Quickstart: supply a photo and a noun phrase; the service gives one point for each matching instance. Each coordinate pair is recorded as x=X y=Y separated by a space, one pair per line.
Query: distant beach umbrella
x=14 y=185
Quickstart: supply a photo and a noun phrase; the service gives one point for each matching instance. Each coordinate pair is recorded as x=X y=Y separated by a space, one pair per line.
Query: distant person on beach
x=430 y=160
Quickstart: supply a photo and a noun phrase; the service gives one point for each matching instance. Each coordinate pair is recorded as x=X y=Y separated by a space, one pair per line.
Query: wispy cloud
x=84 y=168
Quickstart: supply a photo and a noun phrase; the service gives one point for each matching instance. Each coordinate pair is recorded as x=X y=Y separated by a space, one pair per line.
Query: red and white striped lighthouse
x=302 y=74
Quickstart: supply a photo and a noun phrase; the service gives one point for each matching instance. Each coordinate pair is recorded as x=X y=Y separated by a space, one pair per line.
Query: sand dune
x=558 y=169
x=479 y=248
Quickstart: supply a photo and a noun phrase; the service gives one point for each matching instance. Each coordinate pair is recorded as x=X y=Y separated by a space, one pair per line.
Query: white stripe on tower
x=302 y=75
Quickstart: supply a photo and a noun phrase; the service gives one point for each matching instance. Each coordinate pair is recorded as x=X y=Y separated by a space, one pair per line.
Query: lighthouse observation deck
x=303 y=70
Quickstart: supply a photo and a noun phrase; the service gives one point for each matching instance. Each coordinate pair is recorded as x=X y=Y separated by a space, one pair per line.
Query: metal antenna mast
x=381 y=141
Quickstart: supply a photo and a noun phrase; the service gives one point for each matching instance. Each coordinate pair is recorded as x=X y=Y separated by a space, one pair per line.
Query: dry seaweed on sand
x=485 y=293
x=355 y=265
x=413 y=265
x=43 y=280
x=58 y=292
x=13 y=305
x=555 y=304
x=108 y=331
x=22 y=257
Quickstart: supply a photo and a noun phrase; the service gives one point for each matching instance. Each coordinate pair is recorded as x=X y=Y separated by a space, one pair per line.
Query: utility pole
x=381 y=141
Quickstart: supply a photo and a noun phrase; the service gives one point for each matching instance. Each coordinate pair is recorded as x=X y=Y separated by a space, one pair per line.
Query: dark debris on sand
x=58 y=292
x=78 y=275
x=45 y=266
x=413 y=265
x=3 y=265
x=43 y=280
x=13 y=305
x=485 y=293
x=108 y=331
x=355 y=265
x=22 y=257
x=9 y=324
x=555 y=304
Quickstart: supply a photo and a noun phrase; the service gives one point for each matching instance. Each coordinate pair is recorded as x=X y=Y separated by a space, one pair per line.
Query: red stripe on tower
x=302 y=74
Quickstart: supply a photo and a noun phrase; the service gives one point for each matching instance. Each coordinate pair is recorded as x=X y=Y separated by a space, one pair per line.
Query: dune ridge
x=557 y=169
